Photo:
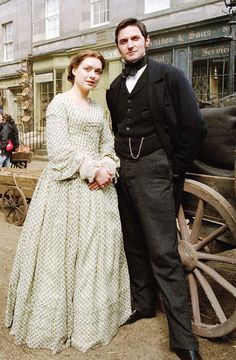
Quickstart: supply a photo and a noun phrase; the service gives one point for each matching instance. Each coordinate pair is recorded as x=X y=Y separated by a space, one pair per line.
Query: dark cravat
x=131 y=69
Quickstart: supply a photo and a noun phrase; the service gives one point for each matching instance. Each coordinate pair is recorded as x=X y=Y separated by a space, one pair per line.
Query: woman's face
x=1 y=118
x=87 y=74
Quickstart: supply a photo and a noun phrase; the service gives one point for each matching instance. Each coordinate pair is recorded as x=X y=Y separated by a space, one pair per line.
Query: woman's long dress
x=69 y=284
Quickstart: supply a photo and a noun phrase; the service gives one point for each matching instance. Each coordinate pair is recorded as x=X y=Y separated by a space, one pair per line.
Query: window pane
x=9 y=51
x=58 y=82
x=46 y=95
x=52 y=27
x=52 y=7
x=8 y=33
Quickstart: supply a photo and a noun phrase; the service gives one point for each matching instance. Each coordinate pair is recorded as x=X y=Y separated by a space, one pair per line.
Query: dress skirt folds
x=69 y=284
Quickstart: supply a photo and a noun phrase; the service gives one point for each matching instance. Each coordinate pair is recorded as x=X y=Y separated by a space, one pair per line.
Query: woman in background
x=8 y=131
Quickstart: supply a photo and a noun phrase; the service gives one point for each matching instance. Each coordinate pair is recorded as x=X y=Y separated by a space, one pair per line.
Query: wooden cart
x=207 y=219
x=21 y=159
x=207 y=227
x=16 y=189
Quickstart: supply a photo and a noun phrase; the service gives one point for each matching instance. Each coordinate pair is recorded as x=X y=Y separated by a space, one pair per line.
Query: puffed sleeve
x=107 y=152
x=65 y=160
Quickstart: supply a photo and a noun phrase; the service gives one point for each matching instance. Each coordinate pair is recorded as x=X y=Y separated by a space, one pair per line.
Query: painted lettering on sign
x=210 y=52
x=216 y=51
x=162 y=41
x=193 y=35
x=188 y=36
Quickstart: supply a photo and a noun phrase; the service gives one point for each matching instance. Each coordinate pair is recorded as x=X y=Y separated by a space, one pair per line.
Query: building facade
x=38 y=38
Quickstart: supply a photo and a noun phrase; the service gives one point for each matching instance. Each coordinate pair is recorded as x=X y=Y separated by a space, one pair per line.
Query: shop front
x=202 y=53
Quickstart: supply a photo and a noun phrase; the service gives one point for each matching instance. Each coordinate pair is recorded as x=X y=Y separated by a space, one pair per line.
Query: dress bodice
x=85 y=125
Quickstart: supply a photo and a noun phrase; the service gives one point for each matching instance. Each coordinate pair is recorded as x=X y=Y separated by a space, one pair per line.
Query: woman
x=69 y=283
x=8 y=131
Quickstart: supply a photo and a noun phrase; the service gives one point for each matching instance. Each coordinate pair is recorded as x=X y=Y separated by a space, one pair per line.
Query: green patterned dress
x=69 y=284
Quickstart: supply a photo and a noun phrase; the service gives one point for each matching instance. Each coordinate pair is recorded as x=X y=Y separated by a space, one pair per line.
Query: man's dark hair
x=131 y=22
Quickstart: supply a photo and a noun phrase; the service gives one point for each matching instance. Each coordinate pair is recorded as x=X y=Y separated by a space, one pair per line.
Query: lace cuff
x=88 y=169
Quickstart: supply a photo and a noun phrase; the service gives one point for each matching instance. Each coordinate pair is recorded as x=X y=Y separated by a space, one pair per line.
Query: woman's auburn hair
x=77 y=60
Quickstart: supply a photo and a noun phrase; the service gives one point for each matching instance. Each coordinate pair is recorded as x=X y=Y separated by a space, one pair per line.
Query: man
x=159 y=130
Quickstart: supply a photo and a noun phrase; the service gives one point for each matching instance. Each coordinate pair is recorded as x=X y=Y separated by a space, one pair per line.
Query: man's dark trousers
x=146 y=203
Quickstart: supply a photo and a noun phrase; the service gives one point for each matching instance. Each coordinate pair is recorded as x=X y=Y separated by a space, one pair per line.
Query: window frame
x=210 y=78
x=8 y=42
x=54 y=31
x=105 y=12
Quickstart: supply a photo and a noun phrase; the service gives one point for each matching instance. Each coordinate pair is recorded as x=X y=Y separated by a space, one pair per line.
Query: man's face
x=132 y=44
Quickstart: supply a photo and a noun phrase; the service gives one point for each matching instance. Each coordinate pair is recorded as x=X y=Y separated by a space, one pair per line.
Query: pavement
x=37 y=164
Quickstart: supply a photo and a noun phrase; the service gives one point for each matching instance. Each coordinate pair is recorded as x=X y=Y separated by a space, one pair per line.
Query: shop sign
x=210 y=52
x=110 y=53
x=41 y=78
x=190 y=36
x=162 y=57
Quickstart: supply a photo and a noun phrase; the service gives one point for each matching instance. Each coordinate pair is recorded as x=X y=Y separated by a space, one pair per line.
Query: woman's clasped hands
x=103 y=177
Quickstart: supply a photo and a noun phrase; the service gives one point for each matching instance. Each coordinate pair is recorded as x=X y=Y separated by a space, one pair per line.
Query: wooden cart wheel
x=14 y=205
x=211 y=277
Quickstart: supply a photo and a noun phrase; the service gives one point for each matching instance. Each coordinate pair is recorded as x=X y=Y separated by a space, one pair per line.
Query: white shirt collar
x=132 y=80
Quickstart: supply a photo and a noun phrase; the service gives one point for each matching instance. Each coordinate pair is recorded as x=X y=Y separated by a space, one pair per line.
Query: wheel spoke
x=6 y=200
x=10 y=211
x=17 y=215
x=19 y=203
x=184 y=231
x=13 y=216
x=20 y=217
x=11 y=200
x=214 y=257
x=218 y=278
x=20 y=210
x=14 y=195
x=197 y=222
x=194 y=298
x=211 y=296
x=7 y=206
x=221 y=230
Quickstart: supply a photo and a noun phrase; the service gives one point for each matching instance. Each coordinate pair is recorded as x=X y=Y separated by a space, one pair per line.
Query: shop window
x=47 y=90
x=52 y=18
x=156 y=5
x=46 y=95
x=58 y=82
x=209 y=79
x=8 y=41
x=99 y=12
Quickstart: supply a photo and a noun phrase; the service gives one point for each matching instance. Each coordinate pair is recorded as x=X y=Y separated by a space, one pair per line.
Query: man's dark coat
x=174 y=110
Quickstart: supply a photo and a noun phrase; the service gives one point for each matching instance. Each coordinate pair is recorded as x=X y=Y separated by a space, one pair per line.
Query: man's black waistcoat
x=135 y=120
x=134 y=114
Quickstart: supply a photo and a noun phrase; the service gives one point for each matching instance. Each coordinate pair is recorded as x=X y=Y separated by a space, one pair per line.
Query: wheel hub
x=188 y=255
